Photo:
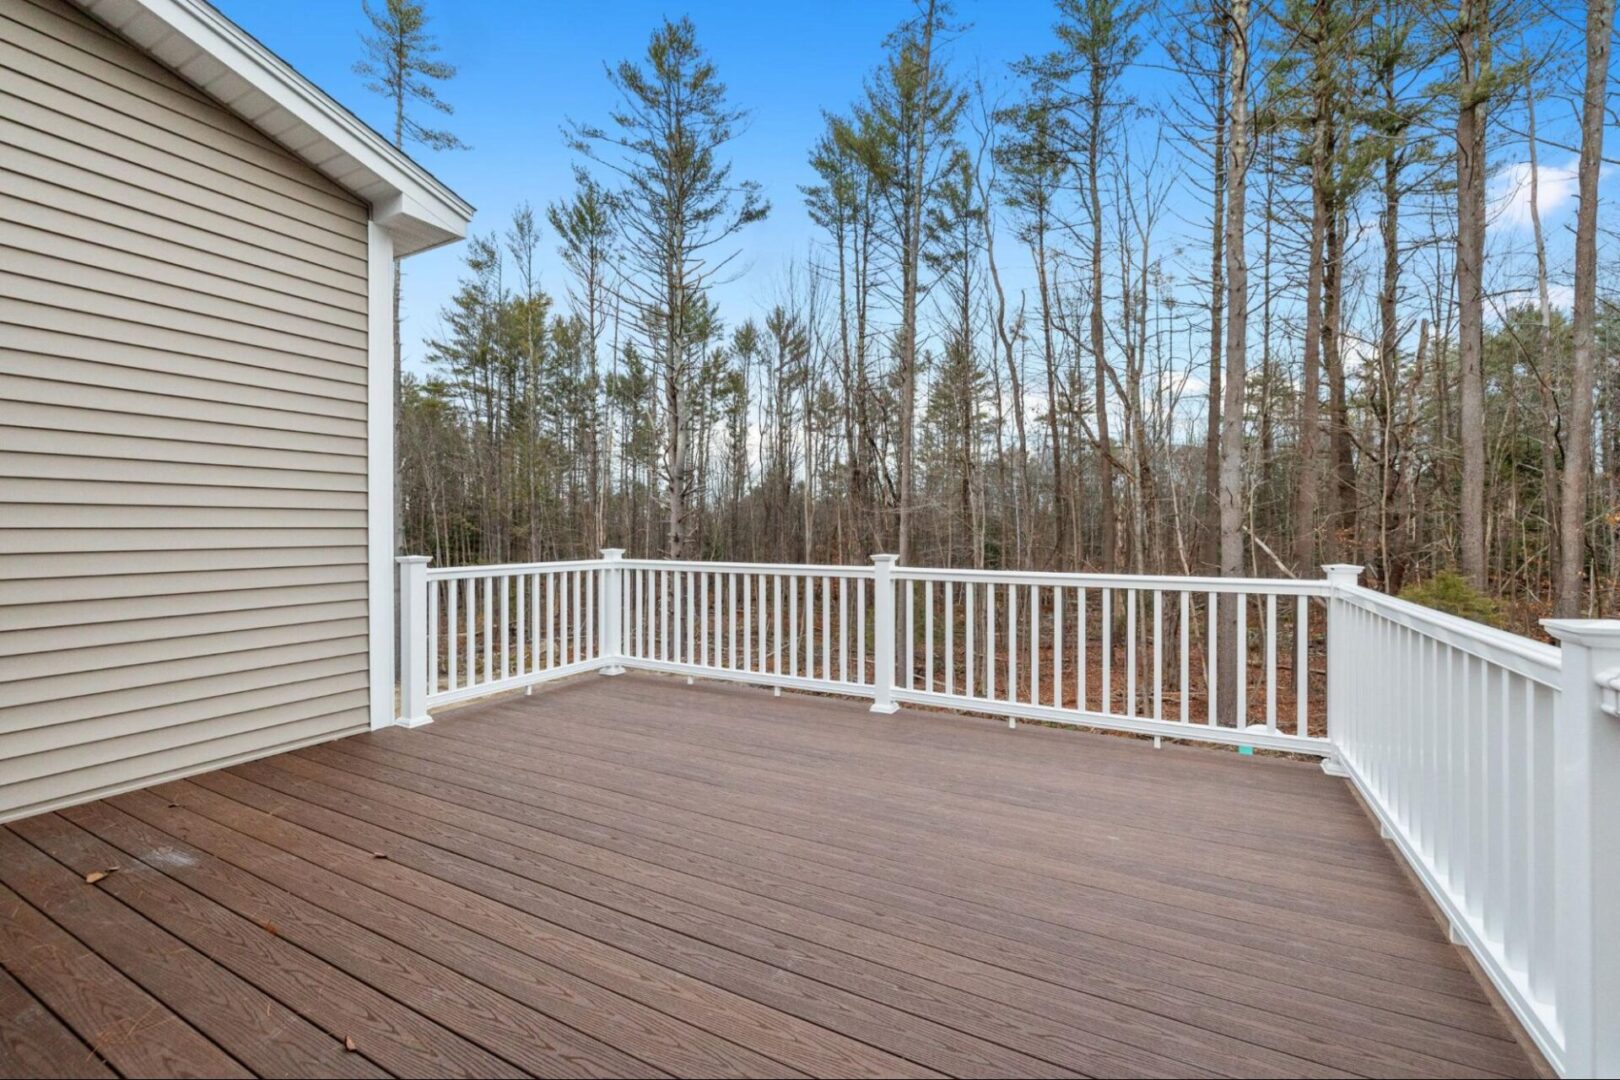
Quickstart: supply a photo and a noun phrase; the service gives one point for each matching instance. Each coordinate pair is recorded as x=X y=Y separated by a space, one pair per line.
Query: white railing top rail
x=1163 y=582
x=511 y=569
x=1521 y=655
x=706 y=566
x=1166 y=582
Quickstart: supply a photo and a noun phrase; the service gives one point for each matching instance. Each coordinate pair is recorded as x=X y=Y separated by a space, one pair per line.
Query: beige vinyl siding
x=183 y=379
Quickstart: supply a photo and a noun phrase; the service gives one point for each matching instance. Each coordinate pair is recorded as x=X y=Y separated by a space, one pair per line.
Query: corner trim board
x=380 y=271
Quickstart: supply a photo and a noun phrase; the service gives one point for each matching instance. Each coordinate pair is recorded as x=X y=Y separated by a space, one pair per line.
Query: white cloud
x=1509 y=192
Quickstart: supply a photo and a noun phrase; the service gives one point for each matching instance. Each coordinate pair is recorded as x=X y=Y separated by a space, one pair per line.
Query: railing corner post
x=612 y=613
x=1337 y=659
x=1586 y=852
x=413 y=637
x=1339 y=574
x=883 y=633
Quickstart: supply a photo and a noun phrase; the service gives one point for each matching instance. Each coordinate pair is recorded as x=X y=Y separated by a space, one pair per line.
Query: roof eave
x=212 y=53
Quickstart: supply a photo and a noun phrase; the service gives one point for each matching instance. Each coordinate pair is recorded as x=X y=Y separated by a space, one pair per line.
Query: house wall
x=183 y=427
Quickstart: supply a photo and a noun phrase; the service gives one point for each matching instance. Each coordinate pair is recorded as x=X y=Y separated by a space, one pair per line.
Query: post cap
x=613 y=553
x=411 y=559
x=1593 y=633
x=885 y=558
x=1342 y=573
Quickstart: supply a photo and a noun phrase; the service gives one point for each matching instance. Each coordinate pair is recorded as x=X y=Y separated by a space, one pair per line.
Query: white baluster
x=433 y=637
x=1186 y=651
x=1057 y=647
x=928 y=636
x=843 y=629
x=452 y=632
x=489 y=629
x=1158 y=654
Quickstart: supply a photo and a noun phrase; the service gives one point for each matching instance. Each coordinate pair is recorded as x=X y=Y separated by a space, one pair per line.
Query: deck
x=634 y=877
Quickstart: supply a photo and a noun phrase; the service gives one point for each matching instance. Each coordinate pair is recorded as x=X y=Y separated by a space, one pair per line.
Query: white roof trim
x=220 y=58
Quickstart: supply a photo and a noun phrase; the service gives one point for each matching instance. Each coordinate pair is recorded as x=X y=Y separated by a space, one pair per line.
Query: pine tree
x=679 y=204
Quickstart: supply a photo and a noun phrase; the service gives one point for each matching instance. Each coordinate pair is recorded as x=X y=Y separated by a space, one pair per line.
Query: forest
x=1296 y=306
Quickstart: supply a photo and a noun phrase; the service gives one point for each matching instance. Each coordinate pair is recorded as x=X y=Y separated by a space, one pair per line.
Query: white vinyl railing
x=1492 y=762
x=1453 y=748
x=803 y=627
x=1130 y=653
x=485 y=629
x=1492 y=766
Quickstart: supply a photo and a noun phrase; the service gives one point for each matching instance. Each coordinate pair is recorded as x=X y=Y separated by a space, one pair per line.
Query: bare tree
x=1237 y=341
x=1473 y=44
x=1578 y=453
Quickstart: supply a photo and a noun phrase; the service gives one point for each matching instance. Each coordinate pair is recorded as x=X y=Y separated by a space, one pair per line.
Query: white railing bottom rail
x=1492 y=762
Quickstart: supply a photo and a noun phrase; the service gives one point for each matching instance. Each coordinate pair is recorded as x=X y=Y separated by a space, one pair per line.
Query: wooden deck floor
x=633 y=877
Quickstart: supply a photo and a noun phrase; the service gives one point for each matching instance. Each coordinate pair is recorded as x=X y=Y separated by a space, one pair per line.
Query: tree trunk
x=1217 y=300
x=1342 y=533
x=1544 y=368
x=1305 y=490
x=1237 y=327
x=1389 y=340
x=1108 y=517
x=1060 y=510
x=1578 y=456
x=1472 y=39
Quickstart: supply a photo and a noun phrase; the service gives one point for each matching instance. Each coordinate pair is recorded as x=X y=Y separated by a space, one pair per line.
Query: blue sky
x=525 y=67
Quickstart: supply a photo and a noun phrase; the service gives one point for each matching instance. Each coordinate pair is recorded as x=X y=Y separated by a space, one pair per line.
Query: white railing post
x=413 y=637
x=1586 y=852
x=883 y=633
x=1339 y=663
x=611 y=614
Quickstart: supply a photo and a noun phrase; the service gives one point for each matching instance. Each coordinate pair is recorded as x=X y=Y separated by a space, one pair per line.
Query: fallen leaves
x=348 y=1044
x=96 y=875
x=379 y=854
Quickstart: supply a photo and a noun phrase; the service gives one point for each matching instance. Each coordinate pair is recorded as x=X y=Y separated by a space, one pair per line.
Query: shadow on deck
x=631 y=876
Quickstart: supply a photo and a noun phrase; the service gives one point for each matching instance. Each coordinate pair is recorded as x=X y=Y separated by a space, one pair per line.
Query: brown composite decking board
x=126 y=1027
x=33 y=1042
x=1288 y=1006
x=254 y=1028
x=1010 y=990
x=630 y=876
x=825 y=886
x=994 y=949
x=399 y=1040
